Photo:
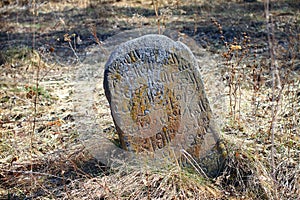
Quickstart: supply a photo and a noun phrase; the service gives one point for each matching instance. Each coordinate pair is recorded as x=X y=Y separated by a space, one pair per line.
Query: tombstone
x=158 y=102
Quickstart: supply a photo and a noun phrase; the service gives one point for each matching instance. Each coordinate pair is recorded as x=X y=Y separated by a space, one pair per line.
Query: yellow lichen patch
x=140 y=103
x=235 y=47
x=132 y=56
x=116 y=77
x=172 y=109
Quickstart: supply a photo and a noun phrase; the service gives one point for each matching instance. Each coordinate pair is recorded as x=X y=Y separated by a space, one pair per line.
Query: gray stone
x=158 y=103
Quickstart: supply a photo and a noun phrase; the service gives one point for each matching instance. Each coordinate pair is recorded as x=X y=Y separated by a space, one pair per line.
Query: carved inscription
x=145 y=101
x=157 y=97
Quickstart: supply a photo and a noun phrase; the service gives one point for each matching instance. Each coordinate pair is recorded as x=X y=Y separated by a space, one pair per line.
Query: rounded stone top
x=152 y=41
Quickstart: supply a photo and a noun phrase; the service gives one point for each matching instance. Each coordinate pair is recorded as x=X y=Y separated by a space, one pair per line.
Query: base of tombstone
x=211 y=163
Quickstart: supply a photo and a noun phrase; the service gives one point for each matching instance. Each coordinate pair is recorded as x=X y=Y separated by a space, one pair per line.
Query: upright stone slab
x=158 y=103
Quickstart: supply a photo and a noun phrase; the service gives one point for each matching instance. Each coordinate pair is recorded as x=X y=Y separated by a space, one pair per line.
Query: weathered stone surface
x=158 y=103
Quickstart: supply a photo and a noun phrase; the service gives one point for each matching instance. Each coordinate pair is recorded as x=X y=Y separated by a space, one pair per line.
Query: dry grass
x=42 y=157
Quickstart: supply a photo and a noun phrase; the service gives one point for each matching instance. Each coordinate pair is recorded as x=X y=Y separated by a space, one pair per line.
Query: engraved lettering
x=157 y=98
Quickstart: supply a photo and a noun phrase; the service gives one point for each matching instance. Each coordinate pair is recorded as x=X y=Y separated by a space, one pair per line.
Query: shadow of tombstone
x=159 y=106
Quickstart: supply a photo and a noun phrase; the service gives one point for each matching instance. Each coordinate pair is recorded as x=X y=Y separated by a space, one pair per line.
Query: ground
x=52 y=59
